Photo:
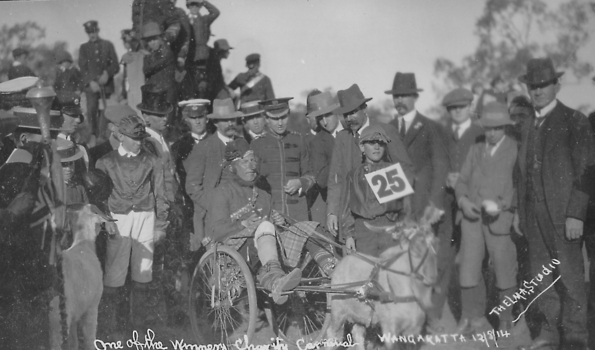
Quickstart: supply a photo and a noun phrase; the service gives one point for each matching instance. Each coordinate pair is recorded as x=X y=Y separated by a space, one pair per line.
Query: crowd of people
x=183 y=162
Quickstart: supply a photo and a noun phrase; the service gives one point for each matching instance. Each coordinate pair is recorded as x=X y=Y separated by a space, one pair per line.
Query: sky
x=306 y=44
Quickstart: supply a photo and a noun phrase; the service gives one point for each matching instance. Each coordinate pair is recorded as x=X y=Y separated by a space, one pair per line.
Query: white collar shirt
x=461 y=128
x=223 y=138
x=366 y=124
x=495 y=148
x=197 y=138
x=125 y=153
x=157 y=136
x=408 y=118
x=337 y=129
x=545 y=110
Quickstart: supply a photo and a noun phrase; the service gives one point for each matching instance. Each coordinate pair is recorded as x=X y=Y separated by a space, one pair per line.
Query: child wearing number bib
x=359 y=201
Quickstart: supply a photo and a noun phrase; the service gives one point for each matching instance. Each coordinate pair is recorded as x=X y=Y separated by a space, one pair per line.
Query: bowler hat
x=19 y=51
x=116 y=113
x=540 y=71
x=154 y=100
x=224 y=109
x=236 y=149
x=404 y=84
x=374 y=133
x=350 y=99
x=252 y=108
x=151 y=29
x=91 y=26
x=68 y=151
x=62 y=56
x=494 y=114
x=70 y=103
x=194 y=108
x=222 y=44
x=320 y=104
x=276 y=107
x=457 y=97
x=133 y=127
x=252 y=58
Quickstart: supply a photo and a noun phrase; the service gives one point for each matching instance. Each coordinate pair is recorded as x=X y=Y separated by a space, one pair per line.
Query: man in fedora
x=203 y=166
x=553 y=192
x=253 y=84
x=254 y=120
x=98 y=63
x=19 y=68
x=320 y=108
x=347 y=154
x=160 y=64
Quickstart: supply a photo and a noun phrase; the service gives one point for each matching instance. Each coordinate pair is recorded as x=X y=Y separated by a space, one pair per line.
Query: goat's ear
x=378 y=229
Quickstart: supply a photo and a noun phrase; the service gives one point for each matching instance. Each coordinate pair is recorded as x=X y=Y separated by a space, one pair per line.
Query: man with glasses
x=553 y=192
x=347 y=154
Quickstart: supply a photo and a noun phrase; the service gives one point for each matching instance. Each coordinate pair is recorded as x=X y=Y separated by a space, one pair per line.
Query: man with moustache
x=203 y=166
x=347 y=154
x=425 y=145
x=553 y=192
x=254 y=120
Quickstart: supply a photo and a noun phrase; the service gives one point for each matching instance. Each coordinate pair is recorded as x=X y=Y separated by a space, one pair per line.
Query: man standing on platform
x=253 y=84
x=99 y=63
x=19 y=68
x=553 y=192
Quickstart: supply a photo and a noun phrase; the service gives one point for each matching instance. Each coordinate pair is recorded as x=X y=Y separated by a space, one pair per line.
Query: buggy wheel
x=306 y=314
x=223 y=305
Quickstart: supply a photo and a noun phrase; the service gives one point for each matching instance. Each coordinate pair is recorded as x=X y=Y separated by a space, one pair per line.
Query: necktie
x=538 y=122
x=402 y=130
x=490 y=149
x=455 y=133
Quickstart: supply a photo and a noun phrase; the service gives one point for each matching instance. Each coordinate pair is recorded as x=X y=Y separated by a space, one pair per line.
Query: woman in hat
x=359 y=202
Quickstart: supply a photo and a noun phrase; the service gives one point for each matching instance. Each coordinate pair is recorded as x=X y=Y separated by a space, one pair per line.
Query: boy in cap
x=485 y=193
x=68 y=76
x=253 y=84
x=98 y=63
x=18 y=68
x=139 y=205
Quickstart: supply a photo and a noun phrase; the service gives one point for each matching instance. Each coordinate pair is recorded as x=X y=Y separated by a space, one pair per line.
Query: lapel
x=416 y=125
x=504 y=150
x=550 y=126
x=522 y=157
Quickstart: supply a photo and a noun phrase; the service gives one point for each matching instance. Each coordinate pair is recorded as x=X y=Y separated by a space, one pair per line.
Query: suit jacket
x=458 y=148
x=94 y=58
x=567 y=151
x=321 y=152
x=485 y=177
x=427 y=149
x=347 y=156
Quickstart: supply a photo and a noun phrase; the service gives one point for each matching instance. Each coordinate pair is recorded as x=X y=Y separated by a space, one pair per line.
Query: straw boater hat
x=540 y=71
x=350 y=99
x=251 y=109
x=224 y=109
x=68 y=151
x=404 y=84
x=320 y=104
x=494 y=114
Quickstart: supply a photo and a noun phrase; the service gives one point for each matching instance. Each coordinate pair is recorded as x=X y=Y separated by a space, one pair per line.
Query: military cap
x=194 y=108
x=68 y=151
x=116 y=113
x=374 y=133
x=19 y=51
x=494 y=114
x=252 y=58
x=236 y=149
x=252 y=108
x=350 y=99
x=70 y=103
x=457 y=97
x=276 y=107
x=540 y=71
x=62 y=56
x=222 y=44
x=133 y=127
x=91 y=26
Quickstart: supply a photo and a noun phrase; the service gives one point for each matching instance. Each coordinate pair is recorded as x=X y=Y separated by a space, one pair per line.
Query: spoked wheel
x=304 y=316
x=223 y=305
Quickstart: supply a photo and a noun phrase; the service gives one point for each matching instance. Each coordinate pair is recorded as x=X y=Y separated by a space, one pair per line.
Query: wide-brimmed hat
x=494 y=114
x=91 y=26
x=276 y=107
x=151 y=29
x=68 y=151
x=540 y=71
x=320 y=104
x=404 y=84
x=133 y=127
x=116 y=113
x=374 y=133
x=13 y=92
x=194 y=108
x=154 y=101
x=251 y=108
x=224 y=109
x=350 y=99
x=222 y=44
x=457 y=97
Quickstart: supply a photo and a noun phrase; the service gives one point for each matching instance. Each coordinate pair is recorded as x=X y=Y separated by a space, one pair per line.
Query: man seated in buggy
x=238 y=216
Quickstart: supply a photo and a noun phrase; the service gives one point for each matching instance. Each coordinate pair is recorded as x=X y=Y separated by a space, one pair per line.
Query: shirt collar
x=124 y=152
x=366 y=124
x=462 y=127
x=545 y=110
x=223 y=138
x=198 y=137
x=495 y=146
x=64 y=136
x=410 y=116
x=255 y=135
x=337 y=129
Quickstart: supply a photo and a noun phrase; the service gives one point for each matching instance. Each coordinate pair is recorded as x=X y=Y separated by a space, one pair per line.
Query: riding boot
x=271 y=276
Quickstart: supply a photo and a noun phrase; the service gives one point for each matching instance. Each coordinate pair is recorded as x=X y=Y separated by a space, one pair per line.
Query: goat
x=82 y=279
x=416 y=252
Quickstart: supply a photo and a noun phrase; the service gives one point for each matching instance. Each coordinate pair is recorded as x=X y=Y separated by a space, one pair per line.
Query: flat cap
x=276 y=107
x=91 y=26
x=457 y=97
x=116 y=113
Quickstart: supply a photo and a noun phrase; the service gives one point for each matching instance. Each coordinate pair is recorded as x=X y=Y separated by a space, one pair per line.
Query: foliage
x=511 y=32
